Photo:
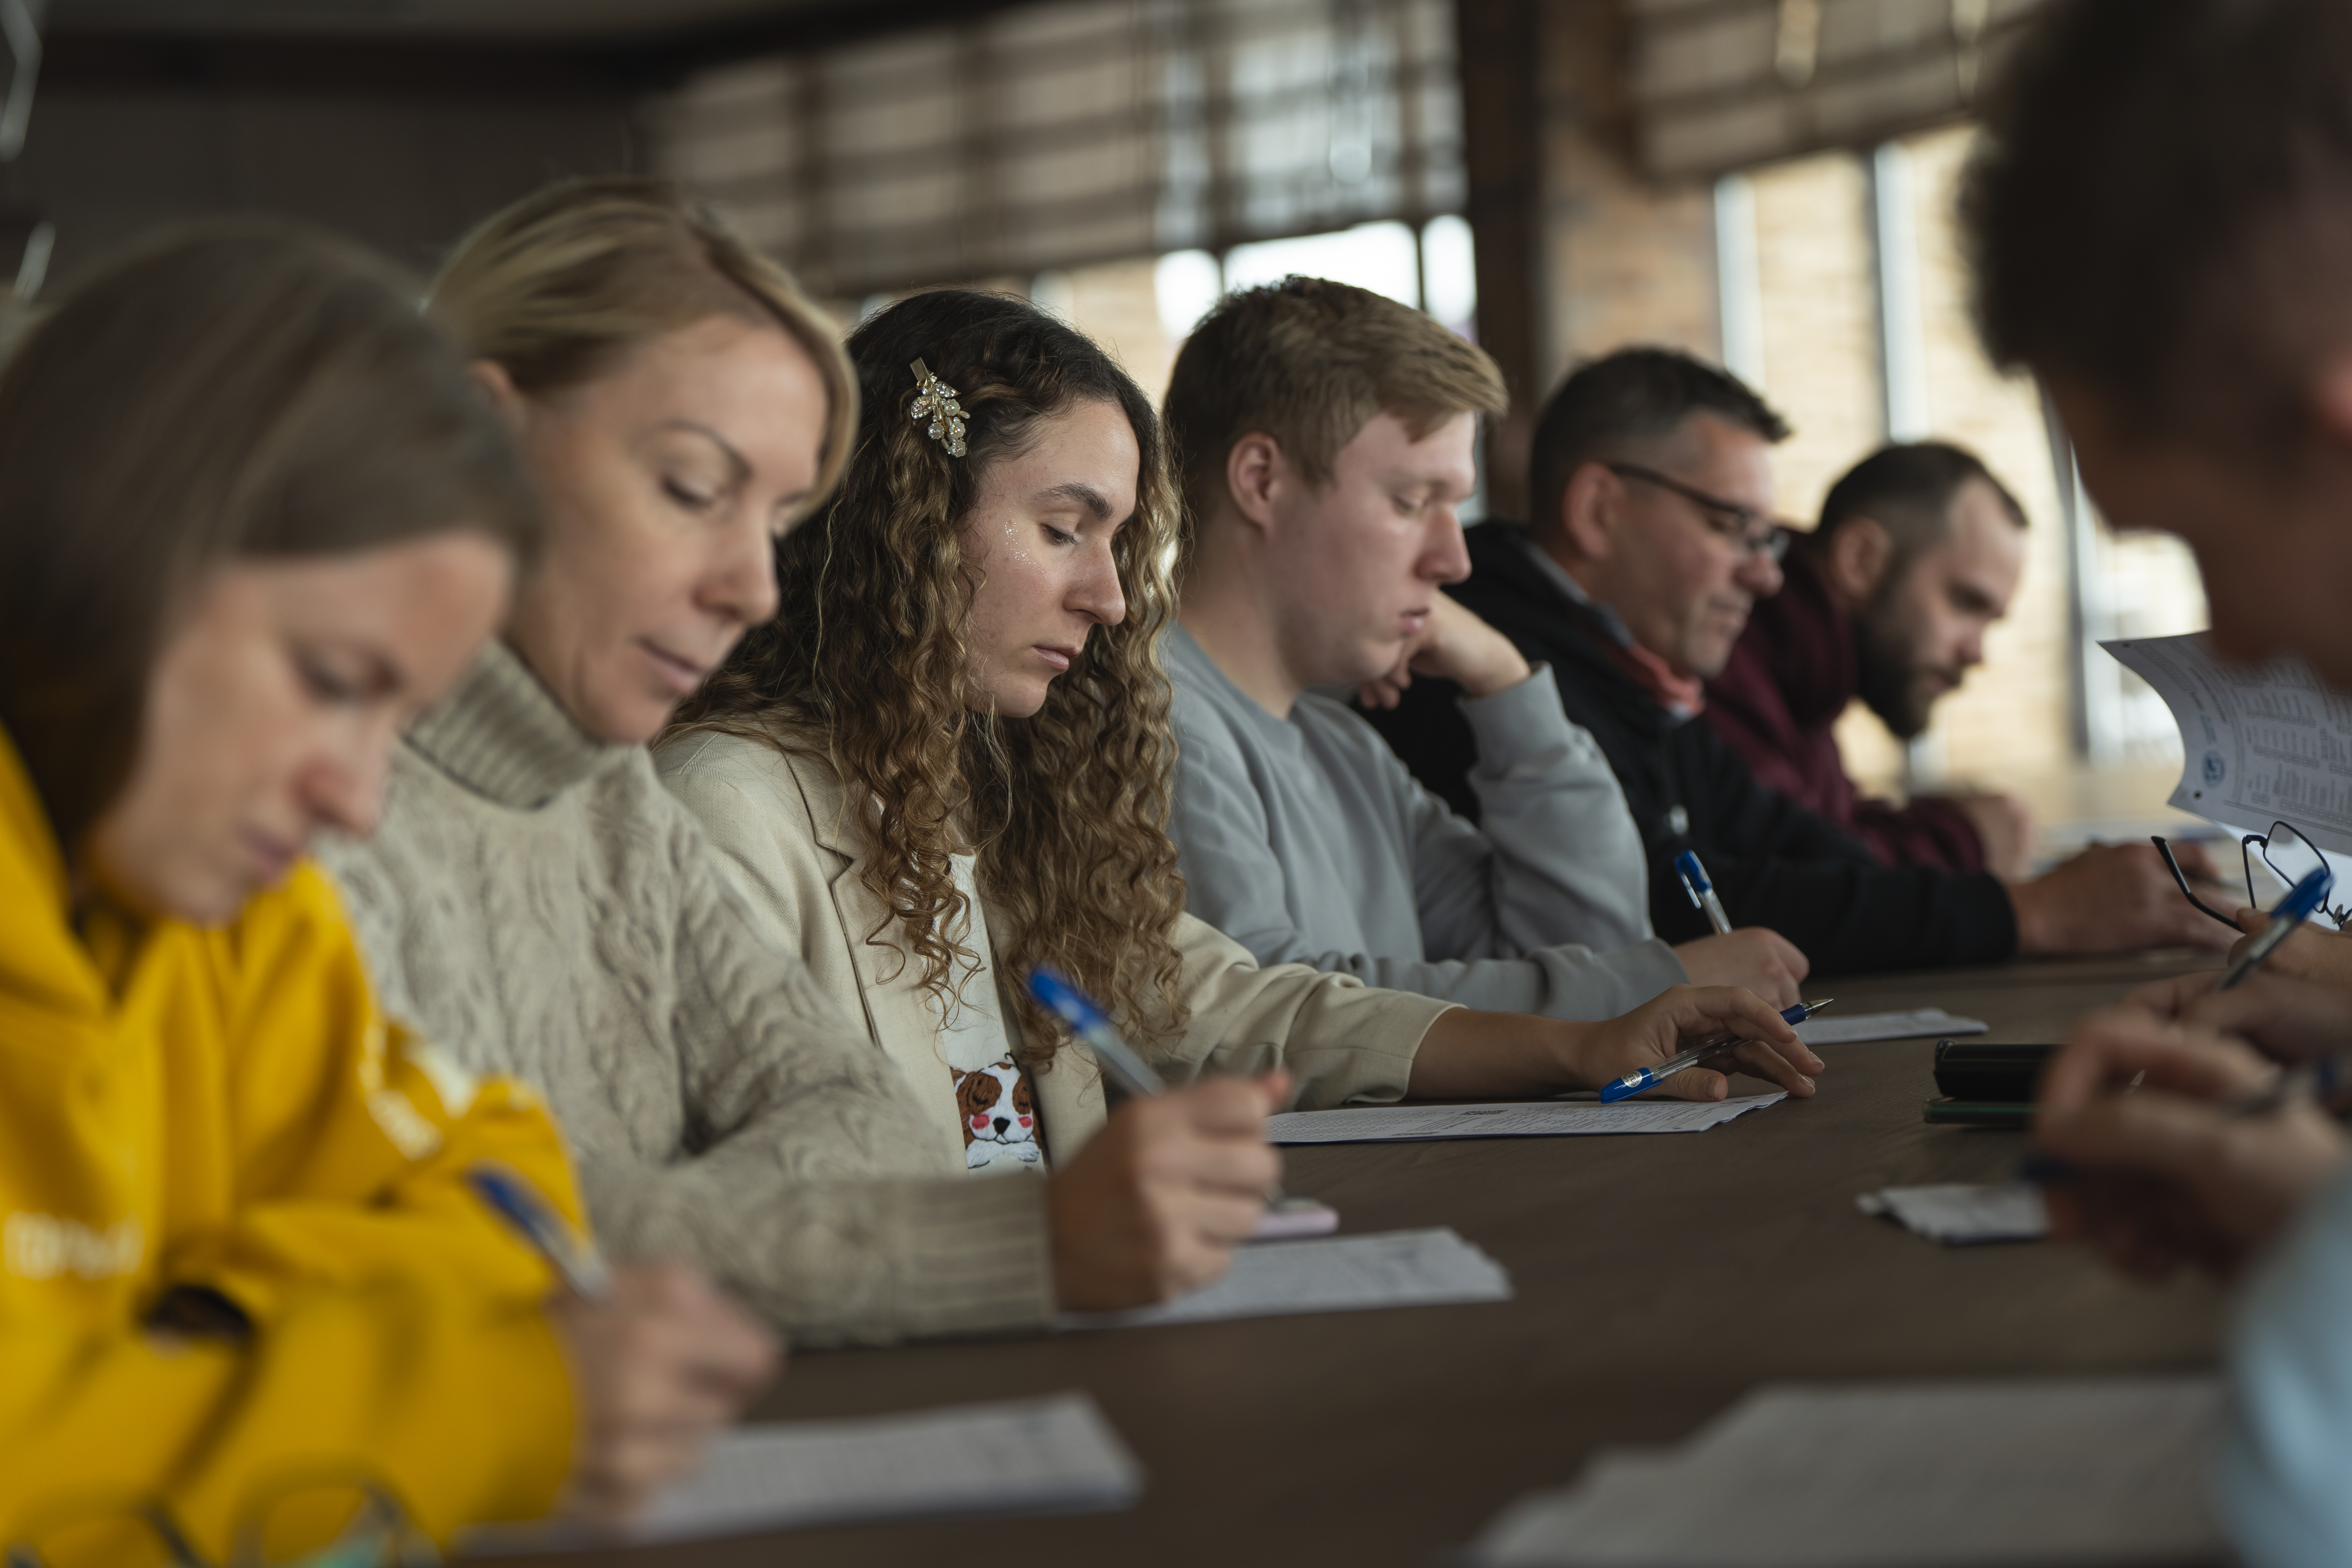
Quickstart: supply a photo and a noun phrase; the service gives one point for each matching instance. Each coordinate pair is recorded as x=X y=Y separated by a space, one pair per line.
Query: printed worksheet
x=1027 y=1456
x=1854 y=1028
x=1334 y=1274
x=2260 y=743
x=2049 y=1474
x=1515 y=1118
x=1962 y=1214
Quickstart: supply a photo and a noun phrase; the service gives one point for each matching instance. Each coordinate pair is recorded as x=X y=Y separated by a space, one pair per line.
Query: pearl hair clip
x=937 y=400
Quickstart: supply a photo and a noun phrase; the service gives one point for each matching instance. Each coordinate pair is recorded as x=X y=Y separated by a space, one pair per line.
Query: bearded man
x=1917 y=553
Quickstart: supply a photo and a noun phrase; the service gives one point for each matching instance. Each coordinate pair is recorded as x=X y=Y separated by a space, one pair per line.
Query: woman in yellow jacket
x=252 y=519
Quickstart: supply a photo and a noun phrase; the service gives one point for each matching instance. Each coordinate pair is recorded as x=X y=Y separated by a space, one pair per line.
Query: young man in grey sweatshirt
x=1326 y=435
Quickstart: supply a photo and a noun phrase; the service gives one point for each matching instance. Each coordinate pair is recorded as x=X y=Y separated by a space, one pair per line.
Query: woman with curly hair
x=948 y=759
x=547 y=908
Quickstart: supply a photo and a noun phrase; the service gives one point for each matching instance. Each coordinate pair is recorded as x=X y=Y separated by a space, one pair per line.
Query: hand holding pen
x=1153 y=1204
x=1649 y=1077
x=1738 y=1029
x=659 y=1359
x=2205 y=1161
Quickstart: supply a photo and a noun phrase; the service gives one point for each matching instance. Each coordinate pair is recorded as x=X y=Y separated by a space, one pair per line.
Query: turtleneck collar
x=503 y=736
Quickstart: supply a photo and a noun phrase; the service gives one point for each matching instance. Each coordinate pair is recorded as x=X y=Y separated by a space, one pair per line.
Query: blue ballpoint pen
x=1087 y=1020
x=1055 y=993
x=514 y=1199
x=2302 y=900
x=1702 y=892
x=1634 y=1082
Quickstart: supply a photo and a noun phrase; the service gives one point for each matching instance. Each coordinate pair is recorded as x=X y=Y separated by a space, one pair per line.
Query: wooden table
x=1658 y=1280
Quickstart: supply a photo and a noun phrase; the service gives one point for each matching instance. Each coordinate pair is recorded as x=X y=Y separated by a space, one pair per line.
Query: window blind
x=1721 y=85
x=1058 y=134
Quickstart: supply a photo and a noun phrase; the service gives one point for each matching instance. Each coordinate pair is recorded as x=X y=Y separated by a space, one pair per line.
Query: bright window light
x=1185 y=283
x=1449 y=263
x=1375 y=256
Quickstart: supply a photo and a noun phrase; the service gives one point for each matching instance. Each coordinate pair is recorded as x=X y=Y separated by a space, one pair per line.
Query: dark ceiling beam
x=409 y=66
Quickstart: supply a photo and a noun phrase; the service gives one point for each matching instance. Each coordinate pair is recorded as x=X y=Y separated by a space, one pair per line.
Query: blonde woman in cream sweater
x=948 y=760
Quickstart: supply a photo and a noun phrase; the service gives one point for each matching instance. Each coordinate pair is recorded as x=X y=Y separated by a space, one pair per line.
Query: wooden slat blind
x=1721 y=85
x=1083 y=130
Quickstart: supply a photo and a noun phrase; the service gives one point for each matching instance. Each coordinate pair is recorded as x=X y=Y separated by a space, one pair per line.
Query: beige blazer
x=780 y=822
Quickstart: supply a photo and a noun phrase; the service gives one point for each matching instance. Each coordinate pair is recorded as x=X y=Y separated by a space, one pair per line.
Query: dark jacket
x=1774 y=863
x=1791 y=674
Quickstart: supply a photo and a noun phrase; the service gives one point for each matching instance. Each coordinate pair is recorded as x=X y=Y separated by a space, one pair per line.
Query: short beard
x=1887 y=670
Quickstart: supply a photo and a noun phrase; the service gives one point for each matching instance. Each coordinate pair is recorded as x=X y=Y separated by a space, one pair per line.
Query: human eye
x=691 y=496
x=323 y=681
x=1058 y=537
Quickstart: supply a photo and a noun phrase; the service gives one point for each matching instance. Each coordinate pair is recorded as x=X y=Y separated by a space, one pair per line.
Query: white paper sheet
x=1514 y=1119
x=1054 y=1455
x=1336 y=1274
x=1856 y=1027
x=2049 y=1474
x=2260 y=743
x=1960 y=1214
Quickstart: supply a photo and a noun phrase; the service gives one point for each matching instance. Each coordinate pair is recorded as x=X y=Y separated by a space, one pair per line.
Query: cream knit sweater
x=540 y=904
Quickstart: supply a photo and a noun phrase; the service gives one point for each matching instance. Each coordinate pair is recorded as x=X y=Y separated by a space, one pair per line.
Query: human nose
x=1758 y=572
x=1447 y=557
x=739 y=582
x=1097 y=593
x=342 y=787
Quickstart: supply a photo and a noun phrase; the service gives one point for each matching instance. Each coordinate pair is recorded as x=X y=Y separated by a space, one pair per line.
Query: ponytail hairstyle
x=866 y=660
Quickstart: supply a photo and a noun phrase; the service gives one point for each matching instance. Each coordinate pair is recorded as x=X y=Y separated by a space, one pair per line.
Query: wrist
x=1498 y=672
x=1568 y=1056
x=2030 y=907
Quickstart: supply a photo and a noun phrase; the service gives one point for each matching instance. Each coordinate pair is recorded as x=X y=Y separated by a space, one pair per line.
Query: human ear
x=1255 y=472
x=1859 y=552
x=492 y=378
x=1587 y=512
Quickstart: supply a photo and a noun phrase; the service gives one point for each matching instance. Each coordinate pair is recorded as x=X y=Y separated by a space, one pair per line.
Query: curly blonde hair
x=867 y=661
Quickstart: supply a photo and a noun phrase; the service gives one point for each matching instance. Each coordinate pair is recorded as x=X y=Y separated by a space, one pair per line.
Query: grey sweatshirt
x=543 y=906
x=1307 y=841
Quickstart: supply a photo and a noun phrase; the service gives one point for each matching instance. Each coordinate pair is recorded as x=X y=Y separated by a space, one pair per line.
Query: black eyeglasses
x=1744 y=526
x=2285 y=853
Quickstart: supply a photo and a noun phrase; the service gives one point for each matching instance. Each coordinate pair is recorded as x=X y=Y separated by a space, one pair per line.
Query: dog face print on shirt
x=1000 y=1118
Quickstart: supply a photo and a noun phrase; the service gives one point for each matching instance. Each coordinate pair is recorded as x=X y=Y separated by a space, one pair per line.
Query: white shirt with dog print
x=993 y=1093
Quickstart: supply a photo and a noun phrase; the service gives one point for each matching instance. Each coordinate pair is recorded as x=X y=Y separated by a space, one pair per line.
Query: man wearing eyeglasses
x=1655 y=539
x=1888 y=598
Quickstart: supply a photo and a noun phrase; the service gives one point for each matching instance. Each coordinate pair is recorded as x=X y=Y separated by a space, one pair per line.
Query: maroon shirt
x=1791 y=675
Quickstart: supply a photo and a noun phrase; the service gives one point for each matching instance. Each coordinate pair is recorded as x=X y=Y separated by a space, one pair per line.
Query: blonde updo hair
x=558 y=285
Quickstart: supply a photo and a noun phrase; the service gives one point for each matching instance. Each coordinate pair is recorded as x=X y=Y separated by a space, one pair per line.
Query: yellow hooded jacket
x=232 y=1111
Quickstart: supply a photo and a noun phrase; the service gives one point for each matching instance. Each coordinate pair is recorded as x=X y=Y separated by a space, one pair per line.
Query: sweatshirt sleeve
x=1467 y=894
x=794 y=1189
x=1562 y=859
x=393 y=1321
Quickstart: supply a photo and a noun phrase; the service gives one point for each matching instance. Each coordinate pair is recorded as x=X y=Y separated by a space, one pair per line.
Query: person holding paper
x=946 y=761
x=1654 y=541
x=2161 y=219
x=1888 y=598
x=253 y=517
x=1326 y=439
